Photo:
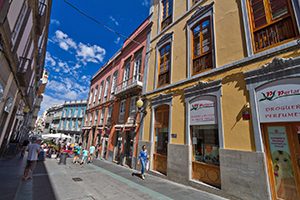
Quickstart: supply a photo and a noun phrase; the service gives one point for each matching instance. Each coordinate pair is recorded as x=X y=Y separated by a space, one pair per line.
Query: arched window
x=164 y=65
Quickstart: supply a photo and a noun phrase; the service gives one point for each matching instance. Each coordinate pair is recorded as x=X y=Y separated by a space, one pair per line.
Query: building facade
x=112 y=118
x=70 y=119
x=223 y=82
x=24 y=28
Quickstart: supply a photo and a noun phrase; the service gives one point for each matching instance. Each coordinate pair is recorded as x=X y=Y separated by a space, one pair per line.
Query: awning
x=129 y=127
x=118 y=127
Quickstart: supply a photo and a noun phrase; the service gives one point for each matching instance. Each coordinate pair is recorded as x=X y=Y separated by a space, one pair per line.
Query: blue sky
x=78 y=47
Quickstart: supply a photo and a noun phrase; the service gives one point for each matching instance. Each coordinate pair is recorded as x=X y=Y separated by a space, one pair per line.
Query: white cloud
x=88 y=53
x=114 y=20
x=55 y=21
x=145 y=3
x=83 y=77
x=71 y=95
x=49 y=60
x=64 y=66
x=64 y=41
x=118 y=40
x=48 y=102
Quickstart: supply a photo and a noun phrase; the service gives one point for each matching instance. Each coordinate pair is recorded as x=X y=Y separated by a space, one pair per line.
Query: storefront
x=118 y=144
x=204 y=131
x=129 y=144
x=275 y=106
x=105 y=139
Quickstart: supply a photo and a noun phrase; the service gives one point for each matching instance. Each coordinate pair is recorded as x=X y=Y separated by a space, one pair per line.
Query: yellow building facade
x=223 y=82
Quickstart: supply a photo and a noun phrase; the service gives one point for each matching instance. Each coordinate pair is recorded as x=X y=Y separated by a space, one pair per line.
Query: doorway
x=118 y=146
x=281 y=142
x=129 y=147
x=160 y=155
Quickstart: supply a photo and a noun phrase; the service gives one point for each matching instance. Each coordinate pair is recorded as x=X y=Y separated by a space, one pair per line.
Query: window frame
x=113 y=84
x=166 y=39
x=106 y=89
x=126 y=66
x=122 y=103
x=165 y=71
x=269 y=22
x=91 y=97
x=249 y=32
x=100 y=92
x=163 y=20
x=202 y=13
x=137 y=68
x=95 y=95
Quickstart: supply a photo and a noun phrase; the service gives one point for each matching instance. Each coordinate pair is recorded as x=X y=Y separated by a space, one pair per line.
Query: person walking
x=91 y=154
x=24 y=146
x=77 y=152
x=33 y=150
x=143 y=158
x=84 y=156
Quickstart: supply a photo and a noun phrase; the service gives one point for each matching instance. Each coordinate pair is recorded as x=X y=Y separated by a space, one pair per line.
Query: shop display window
x=205 y=140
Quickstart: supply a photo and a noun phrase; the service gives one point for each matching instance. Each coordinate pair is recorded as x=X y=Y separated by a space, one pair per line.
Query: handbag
x=147 y=165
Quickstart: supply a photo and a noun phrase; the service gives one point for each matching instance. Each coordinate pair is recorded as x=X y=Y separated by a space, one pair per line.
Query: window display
x=205 y=140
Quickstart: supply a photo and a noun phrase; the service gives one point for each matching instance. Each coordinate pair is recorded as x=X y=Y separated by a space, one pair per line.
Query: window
x=100 y=92
x=126 y=74
x=95 y=95
x=122 y=111
x=201 y=41
x=201 y=49
x=113 y=85
x=205 y=141
x=70 y=112
x=76 y=112
x=19 y=22
x=106 y=89
x=137 y=69
x=1 y=92
x=161 y=129
x=164 y=65
x=86 y=119
x=102 y=116
x=133 y=109
x=91 y=117
x=96 y=117
x=65 y=112
x=82 y=112
x=73 y=124
x=271 y=22
x=91 y=98
x=167 y=9
x=109 y=113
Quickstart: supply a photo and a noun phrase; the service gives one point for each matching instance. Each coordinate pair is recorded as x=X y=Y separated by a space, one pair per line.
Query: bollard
x=63 y=158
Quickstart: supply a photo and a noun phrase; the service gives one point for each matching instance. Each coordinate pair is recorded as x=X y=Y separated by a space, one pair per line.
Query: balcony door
x=126 y=75
x=137 y=68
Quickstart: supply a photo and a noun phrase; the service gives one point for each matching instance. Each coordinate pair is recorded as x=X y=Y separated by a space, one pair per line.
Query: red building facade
x=112 y=119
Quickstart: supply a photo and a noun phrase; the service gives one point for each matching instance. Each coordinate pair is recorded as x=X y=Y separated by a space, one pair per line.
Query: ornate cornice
x=203 y=87
x=162 y=98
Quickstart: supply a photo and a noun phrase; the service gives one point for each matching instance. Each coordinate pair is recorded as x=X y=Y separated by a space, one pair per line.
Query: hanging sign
x=279 y=101
x=203 y=111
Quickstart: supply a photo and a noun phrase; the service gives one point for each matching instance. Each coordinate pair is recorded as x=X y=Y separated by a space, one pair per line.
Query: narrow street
x=99 y=180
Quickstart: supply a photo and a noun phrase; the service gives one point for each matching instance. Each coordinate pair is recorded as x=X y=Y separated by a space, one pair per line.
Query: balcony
x=132 y=84
x=40 y=18
x=56 y=118
x=24 y=72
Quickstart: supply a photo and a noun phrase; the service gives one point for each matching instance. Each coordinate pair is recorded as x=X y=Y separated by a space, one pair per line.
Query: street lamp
x=142 y=104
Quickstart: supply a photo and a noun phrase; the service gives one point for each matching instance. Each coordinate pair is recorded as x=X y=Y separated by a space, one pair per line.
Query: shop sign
x=203 y=111
x=279 y=101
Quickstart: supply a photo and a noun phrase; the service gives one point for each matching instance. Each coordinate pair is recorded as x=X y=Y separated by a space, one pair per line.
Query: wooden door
x=160 y=155
x=281 y=142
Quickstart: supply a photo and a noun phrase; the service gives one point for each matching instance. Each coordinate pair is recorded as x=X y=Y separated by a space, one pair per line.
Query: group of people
x=87 y=156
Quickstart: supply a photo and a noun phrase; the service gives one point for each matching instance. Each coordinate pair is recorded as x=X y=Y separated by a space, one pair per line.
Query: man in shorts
x=91 y=154
x=84 y=156
x=33 y=150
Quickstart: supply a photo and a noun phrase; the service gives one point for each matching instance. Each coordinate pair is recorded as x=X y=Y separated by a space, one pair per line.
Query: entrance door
x=283 y=155
x=160 y=156
x=118 y=146
x=129 y=147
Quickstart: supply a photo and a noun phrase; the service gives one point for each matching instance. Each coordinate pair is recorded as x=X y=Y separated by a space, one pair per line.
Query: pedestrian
x=84 y=156
x=33 y=150
x=143 y=157
x=24 y=146
x=77 y=152
x=91 y=154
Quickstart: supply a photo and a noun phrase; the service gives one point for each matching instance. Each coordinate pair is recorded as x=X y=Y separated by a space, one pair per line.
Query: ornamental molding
x=201 y=10
x=165 y=38
x=162 y=98
x=277 y=68
x=203 y=87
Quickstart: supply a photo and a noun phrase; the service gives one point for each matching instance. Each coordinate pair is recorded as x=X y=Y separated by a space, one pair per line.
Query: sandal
x=29 y=178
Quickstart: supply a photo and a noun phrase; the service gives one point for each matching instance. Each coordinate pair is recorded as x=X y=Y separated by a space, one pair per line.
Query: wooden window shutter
x=165 y=122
